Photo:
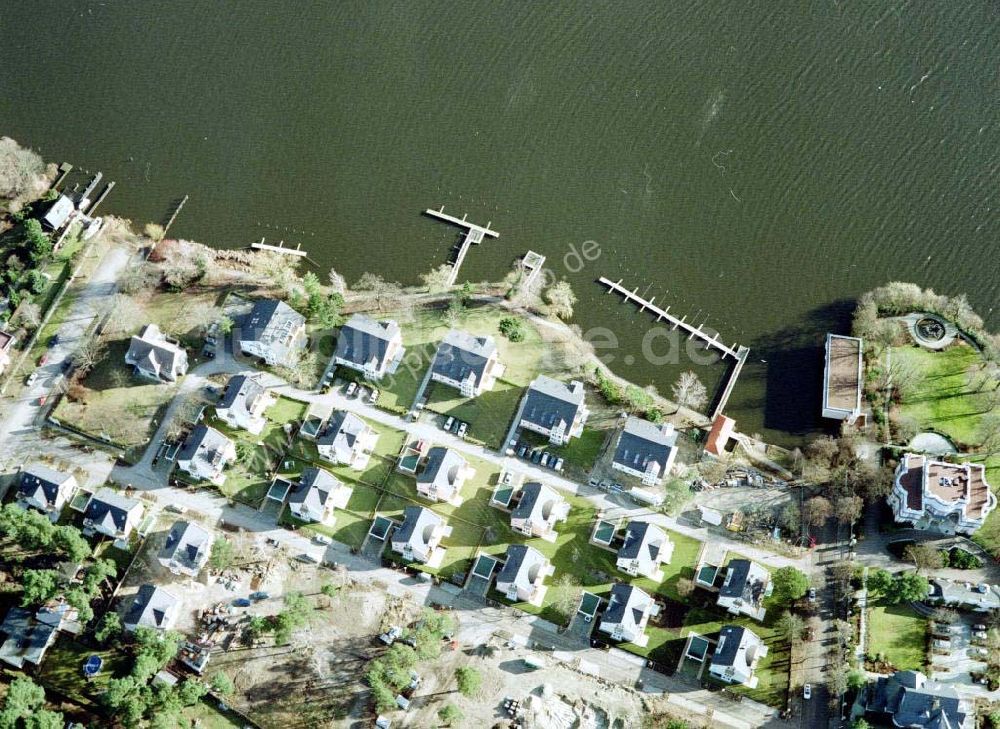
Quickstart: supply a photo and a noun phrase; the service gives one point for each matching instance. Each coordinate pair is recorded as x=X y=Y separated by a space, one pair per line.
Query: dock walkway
x=474 y=235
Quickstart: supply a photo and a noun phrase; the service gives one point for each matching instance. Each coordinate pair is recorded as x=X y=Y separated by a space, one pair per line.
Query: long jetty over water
x=474 y=234
x=737 y=352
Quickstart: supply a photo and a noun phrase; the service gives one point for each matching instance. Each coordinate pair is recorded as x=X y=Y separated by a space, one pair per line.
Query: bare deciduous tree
x=689 y=391
x=20 y=169
x=438 y=280
x=847 y=508
x=29 y=314
x=154 y=232
x=338 y=284
x=88 y=353
x=561 y=299
x=817 y=510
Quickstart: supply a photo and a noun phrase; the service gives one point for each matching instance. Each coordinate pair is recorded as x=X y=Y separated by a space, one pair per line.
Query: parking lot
x=956 y=652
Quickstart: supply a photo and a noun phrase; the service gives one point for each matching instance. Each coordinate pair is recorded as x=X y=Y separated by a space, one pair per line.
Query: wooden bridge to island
x=474 y=234
x=736 y=352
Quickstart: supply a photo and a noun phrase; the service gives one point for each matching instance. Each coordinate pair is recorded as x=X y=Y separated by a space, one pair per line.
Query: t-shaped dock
x=474 y=234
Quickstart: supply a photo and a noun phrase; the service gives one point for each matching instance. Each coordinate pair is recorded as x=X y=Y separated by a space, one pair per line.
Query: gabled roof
x=314 y=488
x=186 y=543
x=25 y=639
x=461 y=355
x=363 y=340
x=549 y=403
x=627 y=606
x=150 y=351
x=736 y=649
x=342 y=433
x=748 y=580
x=913 y=701
x=642 y=443
x=205 y=445
x=58 y=213
x=643 y=541
x=42 y=483
x=443 y=468
x=270 y=322
x=522 y=567
x=151 y=607
x=418 y=526
x=243 y=392
x=537 y=502
x=110 y=509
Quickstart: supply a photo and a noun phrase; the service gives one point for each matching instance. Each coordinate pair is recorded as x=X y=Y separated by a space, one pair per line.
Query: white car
x=807 y=691
x=448 y=423
x=812 y=594
x=373 y=398
x=322 y=539
x=351 y=387
x=461 y=429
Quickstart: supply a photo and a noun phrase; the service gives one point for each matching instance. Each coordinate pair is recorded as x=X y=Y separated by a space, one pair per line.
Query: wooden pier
x=100 y=198
x=173 y=216
x=532 y=264
x=474 y=234
x=280 y=248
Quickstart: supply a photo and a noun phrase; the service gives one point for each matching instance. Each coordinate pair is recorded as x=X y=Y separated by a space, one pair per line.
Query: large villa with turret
x=944 y=497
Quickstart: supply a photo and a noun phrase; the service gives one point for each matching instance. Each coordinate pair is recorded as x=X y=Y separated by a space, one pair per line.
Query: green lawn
x=351 y=524
x=488 y=415
x=579 y=454
x=383 y=459
x=62 y=670
x=900 y=634
x=942 y=398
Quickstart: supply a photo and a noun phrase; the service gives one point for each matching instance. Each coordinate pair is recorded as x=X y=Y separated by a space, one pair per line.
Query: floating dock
x=737 y=352
x=474 y=234
x=532 y=263
x=280 y=248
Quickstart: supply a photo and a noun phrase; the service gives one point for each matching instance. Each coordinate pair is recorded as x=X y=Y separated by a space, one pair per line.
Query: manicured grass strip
x=900 y=634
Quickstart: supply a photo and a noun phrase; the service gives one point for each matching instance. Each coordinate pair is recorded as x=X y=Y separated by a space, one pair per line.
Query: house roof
x=718 y=436
x=150 y=351
x=186 y=543
x=461 y=355
x=961 y=485
x=243 y=392
x=549 y=403
x=43 y=483
x=913 y=701
x=314 y=488
x=418 y=526
x=522 y=566
x=843 y=373
x=6 y=340
x=151 y=607
x=627 y=606
x=443 y=467
x=736 y=649
x=643 y=443
x=110 y=509
x=271 y=324
x=537 y=502
x=206 y=446
x=642 y=541
x=59 y=212
x=746 y=580
x=363 y=340
x=26 y=639
x=342 y=433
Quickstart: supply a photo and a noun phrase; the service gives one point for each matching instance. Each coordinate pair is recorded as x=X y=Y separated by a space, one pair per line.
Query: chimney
x=667 y=429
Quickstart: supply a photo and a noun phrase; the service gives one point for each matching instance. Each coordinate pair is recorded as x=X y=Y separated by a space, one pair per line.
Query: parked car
x=391 y=635
x=42 y=399
x=812 y=594
x=258 y=596
x=559 y=464
x=942 y=643
x=43 y=359
x=362 y=393
x=458 y=424
x=979 y=626
x=462 y=428
x=307 y=558
x=241 y=602
x=536 y=456
x=54 y=340
x=521 y=450
x=545 y=459
x=176 y=508
x=373 y=398
x=449 y=422
x=322 y=539
x=351 y=387
x=807 y=691
x=31 y=378
x=977 y=651
x=979 y=634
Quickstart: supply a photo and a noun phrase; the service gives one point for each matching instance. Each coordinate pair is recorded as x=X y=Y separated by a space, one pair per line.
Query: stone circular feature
x=932 y=443
x=930 y=329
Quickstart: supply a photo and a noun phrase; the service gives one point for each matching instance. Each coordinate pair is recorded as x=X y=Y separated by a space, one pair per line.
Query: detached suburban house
x=111 y=514
x=645 y=450
x=152 y=607
x=419 y=537
x=523 y=575
x=646 y=547
x=939 y=496
x=316 y=494
x=745 y=587
x=152 y=355
x=371 y=347
x=187 y=548
x=243 y=403
x=538 y=510
x=6 y=345
x=554 y=409
x=45 y=489
x=347 y=440
x=736 y=656
x=205 y=454
x=274 y=332
x=908 y=699
x=466 y=362
x=25 y=638
x=444 y=475
x=627 y=614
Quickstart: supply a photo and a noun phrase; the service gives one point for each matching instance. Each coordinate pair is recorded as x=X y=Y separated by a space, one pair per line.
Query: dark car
x=53 y=340
x=241 y=602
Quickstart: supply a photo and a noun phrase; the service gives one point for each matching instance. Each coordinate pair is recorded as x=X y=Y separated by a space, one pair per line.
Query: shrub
x=512 y=328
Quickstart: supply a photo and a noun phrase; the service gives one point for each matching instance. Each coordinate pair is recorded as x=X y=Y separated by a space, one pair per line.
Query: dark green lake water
x=754 y=163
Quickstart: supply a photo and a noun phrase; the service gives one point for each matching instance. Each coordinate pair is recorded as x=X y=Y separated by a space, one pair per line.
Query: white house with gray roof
x=152 y=607
x=419 y=537
x=538 y=510
x=645 y=450
x=25 y=638
x=628 y=612
x=244 y=402
x=444 y=474
x=909 y=699
x=112 y=514
x=744 y=589
x=156 y=357
x=187 y=548
x=554 y=409
x=205 y=454
x=522 y=578
x=45 y=489
x=645 y=548
x=274 y=332
x=315 y=496
x=736 y=656
x=467 y=362
x=373 y=348
x=347 y=440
